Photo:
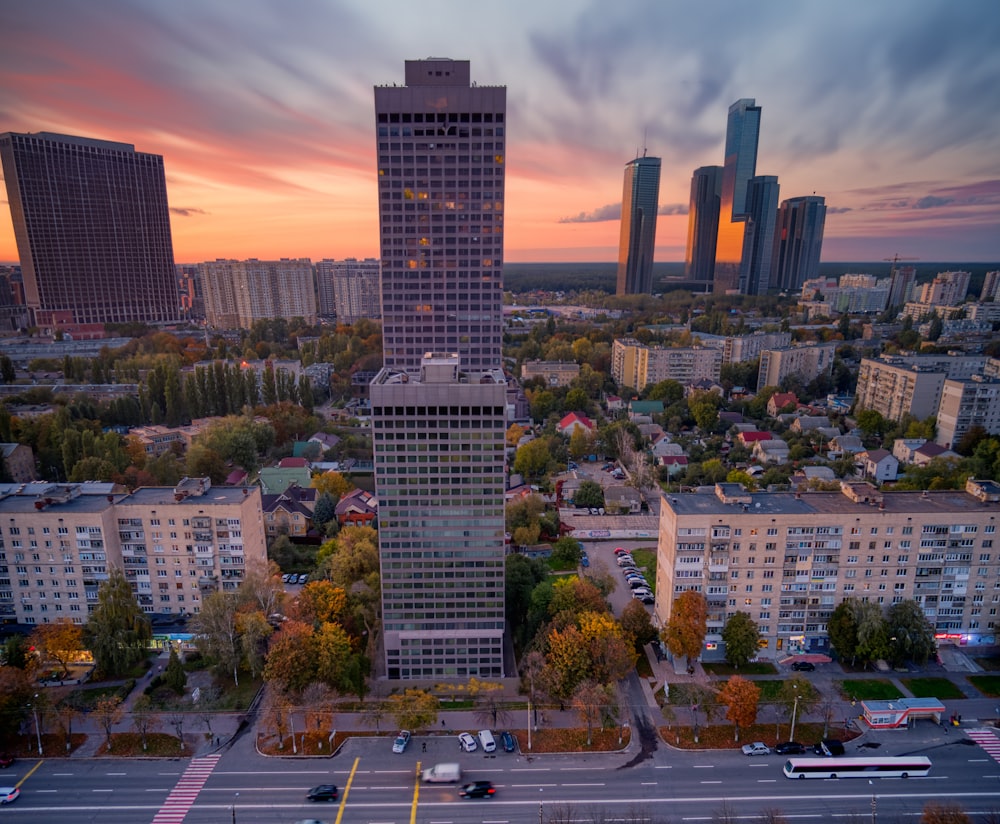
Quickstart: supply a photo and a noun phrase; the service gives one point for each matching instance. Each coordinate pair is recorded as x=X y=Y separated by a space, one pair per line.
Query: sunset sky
x=264 y=112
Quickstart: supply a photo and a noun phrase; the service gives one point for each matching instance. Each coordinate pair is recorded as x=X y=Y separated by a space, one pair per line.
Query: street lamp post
x=38 y=729
x=529 y=725
x=795 y=709
x=233 y=808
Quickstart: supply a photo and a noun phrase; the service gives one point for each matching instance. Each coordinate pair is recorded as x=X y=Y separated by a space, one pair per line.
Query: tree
x=375 y=711
x=16 y=691
x=842 y=630
x=567 y=662
x=589 y=699
x=324 y=511
x=333 y=650
x=567 y=550
x=117 y=629
x=59 y=641
x=871 y=422
x=797 y=695
x=216 y=634
x=144 y=719
x=174 y=676
x=611 y=654
x=944 y=812
x=685 y=632
x=911 y=635
x=637 y=625
x=742 y=698
x=581 y=441
x=291 y=659
x=589 y=494
x=253 y=630
x=413 y=709
x=742 y=639
x=873 y=642
x=177 y=720
x=320 y=602
x=333 y=484
x=490 y=709
x=109 y=712
x=532 y=459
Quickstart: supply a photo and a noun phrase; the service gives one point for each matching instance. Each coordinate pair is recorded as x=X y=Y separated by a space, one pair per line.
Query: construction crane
x=894 y=260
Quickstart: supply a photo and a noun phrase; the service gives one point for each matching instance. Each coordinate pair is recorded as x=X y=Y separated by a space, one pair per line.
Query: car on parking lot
x=478 y=789
x=803 y=666
x=286 y=578
x=584 y=560
x=467 y=741
x=324 y=792
x=402 y=741
x=303 y=579
x=6 y=759
x=646 y=598
x=641 y=583
x=790 y=748
x=626 y=562
x=507 y=741
x=756 y=748
x=640 y=591
x=572 y=465
x=487 y=741
x=620 y=550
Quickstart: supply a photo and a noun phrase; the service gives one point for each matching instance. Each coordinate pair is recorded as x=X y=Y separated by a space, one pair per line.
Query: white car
x=467 y=741
x=401 y=742
x=8 y=794
x=756 y=748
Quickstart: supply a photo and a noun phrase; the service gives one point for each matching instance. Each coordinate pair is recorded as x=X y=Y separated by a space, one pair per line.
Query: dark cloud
x=613 y=211
x=673 y=209
x=931 y=202
x=186 y=212
x=838 y=210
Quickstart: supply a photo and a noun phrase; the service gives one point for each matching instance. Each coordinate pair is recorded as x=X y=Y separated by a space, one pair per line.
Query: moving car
x=402 y=741
x=8 y=794
x=487 y=740
x=756 y=748
x=478 y=789
x=324 y=792
x=790 y=748
x=467 y=741
x=443 y=773
x=507 y=741
x=803 y=666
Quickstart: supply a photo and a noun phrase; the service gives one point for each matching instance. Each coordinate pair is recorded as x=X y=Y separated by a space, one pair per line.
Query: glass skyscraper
x=703 y=224
x=798 y=242
x=640 y=202
x=439 y=403
x=758 y=239
x=93 y=230
x=742 y=134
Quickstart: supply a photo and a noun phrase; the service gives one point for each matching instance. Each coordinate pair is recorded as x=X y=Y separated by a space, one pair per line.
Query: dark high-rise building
x=798 y=242
x=901 y=282
x=640 y=202
x=703 y=223
x=742 y=133
x=92 y=228
x=758 y=239
x=438 y=405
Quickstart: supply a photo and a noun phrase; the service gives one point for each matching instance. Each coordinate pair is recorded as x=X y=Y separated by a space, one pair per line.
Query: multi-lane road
x=377 y=787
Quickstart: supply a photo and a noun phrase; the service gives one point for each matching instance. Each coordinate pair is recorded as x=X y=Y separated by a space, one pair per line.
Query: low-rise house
x=809 y=474
x=878 y=464
x=614 y=404
x=905 y=448
x=675 y=464
x=704 y=385
x=665 y=448
x=929 y=451
x=325 y=440
x=730 y=418
x=809 y=423
x=771 y=451
x=844 y=445
x=623 y=499
x=644 y=409
x=573 y=421
x=357 y=508
x=779 y=400
x=276 y=479
x=156 y=440
x=748 y=439
x=289 y=512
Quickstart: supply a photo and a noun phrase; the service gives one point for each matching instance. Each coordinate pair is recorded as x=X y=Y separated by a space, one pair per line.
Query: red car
x=6 y=759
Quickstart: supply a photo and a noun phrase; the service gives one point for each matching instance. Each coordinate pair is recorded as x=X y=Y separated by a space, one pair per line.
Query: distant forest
x=576 y=277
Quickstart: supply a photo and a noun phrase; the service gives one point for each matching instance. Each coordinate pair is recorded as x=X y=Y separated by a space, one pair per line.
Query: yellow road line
x=29 y=774
x=347 y=789
x=416 y=796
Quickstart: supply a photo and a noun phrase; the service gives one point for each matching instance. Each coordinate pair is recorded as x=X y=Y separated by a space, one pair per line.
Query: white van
x=487 y=741
x=443 y=774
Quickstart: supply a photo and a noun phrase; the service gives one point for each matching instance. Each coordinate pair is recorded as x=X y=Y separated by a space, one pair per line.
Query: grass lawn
x=871 y=689
x=990 y=664
x=940 y=688
x=755 y=668
x=988 y=685
x=645 y=559
x=720 y=736
x=643 y=667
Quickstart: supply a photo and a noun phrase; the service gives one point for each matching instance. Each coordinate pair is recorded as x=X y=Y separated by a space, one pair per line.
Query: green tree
x=324 y=511
x=174 y=675
x=685 y=632
x=873 y=642
x=567 y=550
x=533 y=458
x=117 y=630
x=842 y=629
x=911 y=635
x=589 y=494
x=414 y=709
x=216 y=634
x=871 y=422
x=742 y=639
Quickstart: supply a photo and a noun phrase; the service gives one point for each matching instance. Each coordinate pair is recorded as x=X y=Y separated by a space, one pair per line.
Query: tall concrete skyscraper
x=798 y=242
x=742 y=133
x=93 y=230
x=438 y=405
x=703 y=224
x=901 y=283
x=640 y=202
x=758 y=239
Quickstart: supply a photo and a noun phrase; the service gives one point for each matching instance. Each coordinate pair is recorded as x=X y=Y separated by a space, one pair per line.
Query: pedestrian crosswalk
x=186 y=790
x=987 y=740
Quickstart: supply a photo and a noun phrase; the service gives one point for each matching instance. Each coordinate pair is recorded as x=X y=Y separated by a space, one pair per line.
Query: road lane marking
x=581 y=785
x=343 y=799
x=647 y=784
x=709 y=782
x=704 y=766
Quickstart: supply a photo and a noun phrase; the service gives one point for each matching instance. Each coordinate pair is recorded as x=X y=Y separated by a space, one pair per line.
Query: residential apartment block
x=175 y=544
x=967 y=403
x=554 y=373
x=638 y=365
x=896 y=385
x=240 y=292
x=349 y=289
x=804 y=362
x=743 y=348
x=788 y=559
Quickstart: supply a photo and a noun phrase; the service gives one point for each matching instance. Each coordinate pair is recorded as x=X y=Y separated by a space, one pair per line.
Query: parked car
x=620 y=550
x=646 y=597
x=756 y=748
x=286 y=578
x=303 y=579
x=790 y=748
x=478 y=789
x=487 y=741
x=324 y=792
x=641 y=583
x=6 y=759
x=584 y=560
x=803 y=666
x=402 y=741
x=507 y=741
x=829 y=747
x=467 y=741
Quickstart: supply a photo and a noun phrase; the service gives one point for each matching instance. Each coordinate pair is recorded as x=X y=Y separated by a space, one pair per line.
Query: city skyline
x=263 y=117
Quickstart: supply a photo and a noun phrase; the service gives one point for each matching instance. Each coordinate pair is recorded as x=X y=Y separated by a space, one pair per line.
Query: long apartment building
x=788 y=559
x=240 y=292
x=58 y=543
x=637 y=365
x=896 y=386
x=349 y=289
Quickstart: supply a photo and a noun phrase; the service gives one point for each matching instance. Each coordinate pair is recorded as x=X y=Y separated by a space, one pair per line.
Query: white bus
x=899 y=767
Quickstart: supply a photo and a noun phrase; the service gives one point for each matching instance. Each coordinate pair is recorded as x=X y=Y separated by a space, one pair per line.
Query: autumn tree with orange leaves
x=741 y=698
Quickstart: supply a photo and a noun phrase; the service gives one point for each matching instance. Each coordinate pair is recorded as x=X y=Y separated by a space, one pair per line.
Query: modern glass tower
x=438 y=405
x=758 y=239
x=640 y=201
x=92 y=228
x=798 y=242
x=742 y=133
x=703 y=224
